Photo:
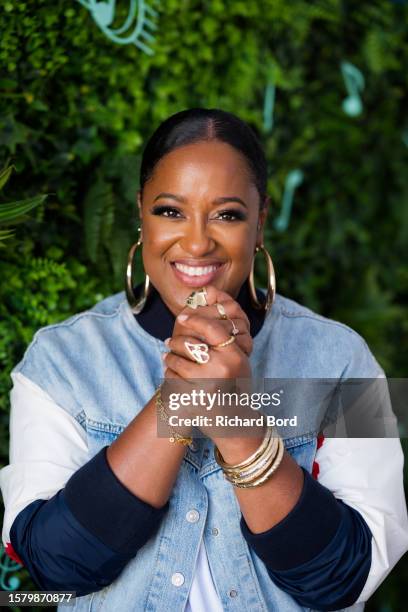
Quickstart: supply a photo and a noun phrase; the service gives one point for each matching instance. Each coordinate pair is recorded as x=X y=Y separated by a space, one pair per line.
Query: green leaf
x=13 y=133
x=5 y=235
x=10 y=212
x=5 y=175
x=8 y=84
x=98 y=216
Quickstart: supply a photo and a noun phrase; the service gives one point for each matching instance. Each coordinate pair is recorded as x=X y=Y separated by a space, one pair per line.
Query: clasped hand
x=225 y=364
x=204 y=324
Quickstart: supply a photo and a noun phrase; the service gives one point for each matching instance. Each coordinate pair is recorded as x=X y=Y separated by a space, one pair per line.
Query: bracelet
x=260 y=466
x=268 y=473
x=263 y=464
x=237 y=466
x=174 y=435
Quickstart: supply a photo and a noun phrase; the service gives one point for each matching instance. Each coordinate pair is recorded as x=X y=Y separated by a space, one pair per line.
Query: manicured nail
x=182 y=317
x=167 y=341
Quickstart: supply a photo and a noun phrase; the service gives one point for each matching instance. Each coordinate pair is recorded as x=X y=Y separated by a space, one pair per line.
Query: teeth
x=195 y=270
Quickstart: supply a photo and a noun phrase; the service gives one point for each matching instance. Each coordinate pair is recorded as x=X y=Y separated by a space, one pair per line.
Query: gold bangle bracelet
x=228 y=467
x=268 y=473
x=259 y=467
x=270 y=451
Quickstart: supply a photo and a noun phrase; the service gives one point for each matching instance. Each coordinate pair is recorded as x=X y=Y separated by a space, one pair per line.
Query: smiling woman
x=202 y=204
x=202 y=230
x=100 y=501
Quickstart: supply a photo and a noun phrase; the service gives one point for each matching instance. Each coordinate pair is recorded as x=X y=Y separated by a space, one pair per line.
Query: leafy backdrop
x=75 y=110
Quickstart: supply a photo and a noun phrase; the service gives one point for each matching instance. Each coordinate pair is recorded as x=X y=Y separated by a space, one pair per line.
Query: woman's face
x=200 y=216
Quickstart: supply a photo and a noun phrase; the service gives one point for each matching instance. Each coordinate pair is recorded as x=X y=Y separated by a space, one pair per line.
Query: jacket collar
x=158 y=321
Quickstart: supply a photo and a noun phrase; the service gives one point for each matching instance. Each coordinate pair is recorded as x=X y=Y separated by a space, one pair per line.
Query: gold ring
x=230 y=340
x=197 y=298
x=221 y=310
x=224 y=316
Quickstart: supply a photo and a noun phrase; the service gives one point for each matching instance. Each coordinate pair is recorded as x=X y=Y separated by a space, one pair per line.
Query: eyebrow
x=217 y=201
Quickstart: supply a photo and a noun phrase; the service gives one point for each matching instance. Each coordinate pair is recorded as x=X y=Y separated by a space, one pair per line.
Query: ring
x=235 y=330
x=197 y=298
x=230 y=340
x=199 y=352
x=223 y=315
x=221 y=310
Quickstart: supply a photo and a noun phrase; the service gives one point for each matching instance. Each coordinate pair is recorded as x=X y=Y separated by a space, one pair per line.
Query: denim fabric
x=103 y=367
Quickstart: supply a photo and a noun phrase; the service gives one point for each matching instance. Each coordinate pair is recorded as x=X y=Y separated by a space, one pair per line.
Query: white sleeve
x=47 y=445
x=367 y=474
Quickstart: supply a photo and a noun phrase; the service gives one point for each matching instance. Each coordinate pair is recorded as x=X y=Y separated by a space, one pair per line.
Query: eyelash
x=239 y=216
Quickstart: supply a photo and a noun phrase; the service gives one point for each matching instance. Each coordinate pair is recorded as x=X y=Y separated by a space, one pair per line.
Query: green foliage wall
x=75 y=110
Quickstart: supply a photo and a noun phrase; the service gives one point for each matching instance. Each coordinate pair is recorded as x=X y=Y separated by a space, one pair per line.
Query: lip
x=197 y=263
x=196 y=281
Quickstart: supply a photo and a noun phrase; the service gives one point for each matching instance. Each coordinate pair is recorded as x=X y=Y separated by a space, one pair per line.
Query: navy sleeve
x=320 y=553
x=82 y=538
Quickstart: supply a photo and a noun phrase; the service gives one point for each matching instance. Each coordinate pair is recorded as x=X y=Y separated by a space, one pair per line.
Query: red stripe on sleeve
x=10 y=552
x=315 y=468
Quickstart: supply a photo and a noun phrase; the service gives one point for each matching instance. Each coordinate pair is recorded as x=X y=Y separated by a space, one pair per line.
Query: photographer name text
x=231 y=421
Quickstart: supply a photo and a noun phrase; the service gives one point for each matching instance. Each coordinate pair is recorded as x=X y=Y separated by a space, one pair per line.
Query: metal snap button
x=215 y=531
x=193 y=447
x=233 y=593
x=177 y=579
x=192 y=516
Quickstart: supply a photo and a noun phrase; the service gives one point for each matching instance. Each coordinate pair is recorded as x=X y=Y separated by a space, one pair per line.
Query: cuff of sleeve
x=303 y=533
x=106 y=508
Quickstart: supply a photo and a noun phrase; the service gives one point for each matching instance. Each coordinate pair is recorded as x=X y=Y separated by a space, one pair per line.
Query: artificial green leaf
x=5 y=175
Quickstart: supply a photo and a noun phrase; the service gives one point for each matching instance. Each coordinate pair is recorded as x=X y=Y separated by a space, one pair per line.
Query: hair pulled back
x=198 y=124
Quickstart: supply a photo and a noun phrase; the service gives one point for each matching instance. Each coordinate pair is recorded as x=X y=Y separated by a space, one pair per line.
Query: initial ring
x=197 y=298
x=199 y=352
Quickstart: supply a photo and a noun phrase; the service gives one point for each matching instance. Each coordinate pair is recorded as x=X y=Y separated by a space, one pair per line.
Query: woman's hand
x=225 y=365
x=205 y=324
x=233 y=311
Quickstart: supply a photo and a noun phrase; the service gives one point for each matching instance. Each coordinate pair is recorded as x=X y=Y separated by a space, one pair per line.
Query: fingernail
x=164 y=355
x=182 y=317
x=167 y=341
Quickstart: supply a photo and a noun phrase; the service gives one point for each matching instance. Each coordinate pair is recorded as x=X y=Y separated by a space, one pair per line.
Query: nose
x=197 y=239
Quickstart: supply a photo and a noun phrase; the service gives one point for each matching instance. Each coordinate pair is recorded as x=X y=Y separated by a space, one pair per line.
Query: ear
x=263 y=213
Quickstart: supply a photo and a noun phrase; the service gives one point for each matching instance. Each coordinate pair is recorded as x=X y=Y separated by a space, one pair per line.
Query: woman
x=100 y=502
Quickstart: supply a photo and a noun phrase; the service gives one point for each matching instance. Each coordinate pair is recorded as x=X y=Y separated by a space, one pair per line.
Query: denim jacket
x=294 y=342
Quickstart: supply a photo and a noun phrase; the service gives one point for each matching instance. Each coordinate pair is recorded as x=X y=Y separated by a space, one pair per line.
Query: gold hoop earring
x=270 y=295
x=136 y=305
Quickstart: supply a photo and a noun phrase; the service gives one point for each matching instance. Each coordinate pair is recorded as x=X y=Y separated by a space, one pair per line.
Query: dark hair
x=197 y=124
